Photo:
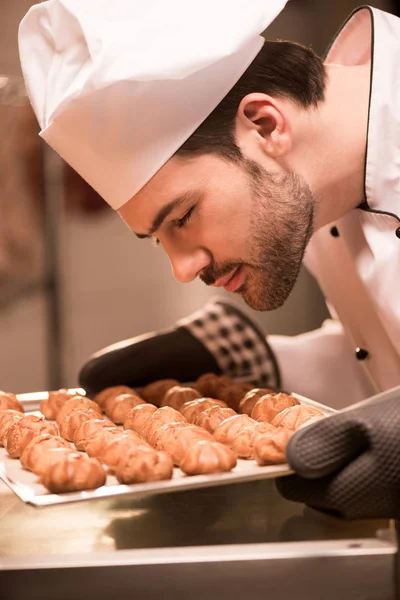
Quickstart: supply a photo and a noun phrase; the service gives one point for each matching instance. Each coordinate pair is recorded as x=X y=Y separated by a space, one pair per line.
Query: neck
x=337 y=136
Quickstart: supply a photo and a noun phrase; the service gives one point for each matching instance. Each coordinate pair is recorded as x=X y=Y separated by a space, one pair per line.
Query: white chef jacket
x=356 y=260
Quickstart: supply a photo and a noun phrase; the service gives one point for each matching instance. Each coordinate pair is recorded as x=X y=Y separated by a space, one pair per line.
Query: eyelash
x=186 y=217
x=179 y=224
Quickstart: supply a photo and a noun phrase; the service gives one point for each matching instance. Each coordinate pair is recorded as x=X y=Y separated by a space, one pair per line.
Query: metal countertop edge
x=205 y=554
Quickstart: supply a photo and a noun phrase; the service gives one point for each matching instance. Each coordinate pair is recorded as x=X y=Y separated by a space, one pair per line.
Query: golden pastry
x=55 y=400
x=9 y=401
x=243 y=443
x=146 y=464
x=211 y=385
x=161 y=417
x=230 y=428
x=38 y=446
x=45 y=459
x=96 y=443
x=119 y=447
x=155 y=392
x=76 y=402
x=74 y=419
x=72 y=472
x=137 y=417
x=206 y=457
x=88 y=428
x=270 y=448
x=21 y=433
x=102 y=397
x=234 y=393
x=117 y=407
x=292 y=418
x=210 y=418
x=267 y=407
x=162 y=436
x=248 y=401
x=191 y=410
x=7 y=419
x=178 y=440
x=177 y=396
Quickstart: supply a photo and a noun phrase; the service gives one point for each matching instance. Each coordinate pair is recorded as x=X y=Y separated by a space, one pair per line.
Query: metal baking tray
x=26 y=487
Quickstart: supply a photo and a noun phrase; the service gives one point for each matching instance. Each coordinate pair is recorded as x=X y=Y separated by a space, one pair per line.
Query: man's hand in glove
x=220 y=339
x=349 y=464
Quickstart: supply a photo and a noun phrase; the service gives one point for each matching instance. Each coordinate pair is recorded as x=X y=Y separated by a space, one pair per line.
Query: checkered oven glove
x=238 y=346
x=348 y=465
x=218 y=339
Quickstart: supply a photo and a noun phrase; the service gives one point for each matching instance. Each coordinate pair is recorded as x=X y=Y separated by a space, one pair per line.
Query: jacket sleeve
x=321 y=365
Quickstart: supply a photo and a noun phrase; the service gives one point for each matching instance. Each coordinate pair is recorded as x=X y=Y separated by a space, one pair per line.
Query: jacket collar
x=372 y=35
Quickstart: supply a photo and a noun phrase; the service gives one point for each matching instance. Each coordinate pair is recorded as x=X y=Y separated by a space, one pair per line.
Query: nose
x=187 y=265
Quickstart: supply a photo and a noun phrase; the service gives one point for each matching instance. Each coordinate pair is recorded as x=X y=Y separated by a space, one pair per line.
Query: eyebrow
x=165 y=211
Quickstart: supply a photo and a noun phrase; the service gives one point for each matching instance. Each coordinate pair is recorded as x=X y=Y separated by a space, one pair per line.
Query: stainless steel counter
x=241 y=540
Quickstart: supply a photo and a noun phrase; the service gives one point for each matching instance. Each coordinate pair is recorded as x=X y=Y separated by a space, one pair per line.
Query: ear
x=266 y=117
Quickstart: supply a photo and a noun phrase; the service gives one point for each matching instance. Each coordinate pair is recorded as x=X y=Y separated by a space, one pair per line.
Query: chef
x=242 y=159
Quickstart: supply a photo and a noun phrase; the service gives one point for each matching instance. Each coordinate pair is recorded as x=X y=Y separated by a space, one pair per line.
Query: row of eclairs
x=139 y=436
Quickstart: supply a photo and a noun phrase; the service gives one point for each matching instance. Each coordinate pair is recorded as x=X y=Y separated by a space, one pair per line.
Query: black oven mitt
x=348 y=464
x=220 y=339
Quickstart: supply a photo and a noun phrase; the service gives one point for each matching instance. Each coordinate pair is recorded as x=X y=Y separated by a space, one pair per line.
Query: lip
x=235 y=281
x=224 y=280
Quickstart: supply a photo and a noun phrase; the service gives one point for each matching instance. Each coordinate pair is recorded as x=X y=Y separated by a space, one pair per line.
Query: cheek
x=224 y=229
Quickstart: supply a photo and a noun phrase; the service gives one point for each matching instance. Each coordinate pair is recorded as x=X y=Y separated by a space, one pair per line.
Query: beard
x=281 y=225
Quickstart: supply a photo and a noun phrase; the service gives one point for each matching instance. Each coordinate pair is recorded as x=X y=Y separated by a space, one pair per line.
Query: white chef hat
x=119 y=85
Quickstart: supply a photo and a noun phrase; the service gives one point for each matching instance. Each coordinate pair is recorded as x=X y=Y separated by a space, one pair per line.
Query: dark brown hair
x=281 y=68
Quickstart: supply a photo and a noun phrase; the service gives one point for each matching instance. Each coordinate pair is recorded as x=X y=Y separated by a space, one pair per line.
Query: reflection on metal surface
x=248 y=513
x=244 y=552
x=234 y=541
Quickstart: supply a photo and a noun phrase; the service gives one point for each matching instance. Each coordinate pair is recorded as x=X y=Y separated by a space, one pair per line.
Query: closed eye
x=186 y=217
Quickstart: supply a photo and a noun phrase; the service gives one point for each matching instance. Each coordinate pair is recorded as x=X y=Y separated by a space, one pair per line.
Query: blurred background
x=72 y=277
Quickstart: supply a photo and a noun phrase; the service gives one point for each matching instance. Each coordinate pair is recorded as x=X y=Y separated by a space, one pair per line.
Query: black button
x=361 y=354
x=335 y=231
x=397 y=232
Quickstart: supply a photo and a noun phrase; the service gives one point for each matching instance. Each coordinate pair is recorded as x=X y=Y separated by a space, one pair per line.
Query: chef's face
x=232 y=225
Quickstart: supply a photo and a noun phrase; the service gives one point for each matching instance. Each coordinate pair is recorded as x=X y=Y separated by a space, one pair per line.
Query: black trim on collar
x=364 y=205
x=351 y=15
